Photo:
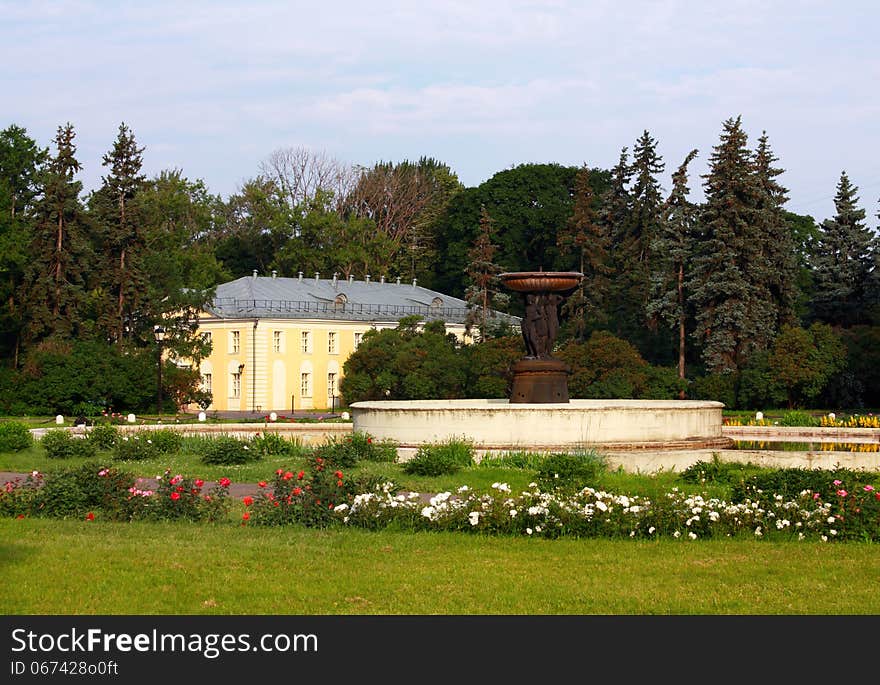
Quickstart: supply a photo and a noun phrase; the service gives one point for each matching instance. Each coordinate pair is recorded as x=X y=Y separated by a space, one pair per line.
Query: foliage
x=570 y=471
x=437 y=459
x=791 y=482
x=227 y=450
x=179 y=498
x=104 y=436
x=271 y=444
x=798 y=418
x=135 y=447
x=802 y=361
x=489 y=366
x=484 y=293
x=61 y=443
x=14 y=436
x=604 y=367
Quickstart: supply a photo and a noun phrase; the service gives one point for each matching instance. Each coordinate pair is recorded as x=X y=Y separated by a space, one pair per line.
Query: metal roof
x=335 y=298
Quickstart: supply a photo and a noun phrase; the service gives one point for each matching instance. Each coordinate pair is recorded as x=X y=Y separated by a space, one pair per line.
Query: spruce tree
x=484 y=291
x=614 y=215
x=59 y=251
x=735 y=312
x=778 y=268
x=121 y=235
x=672 y=247
x=843 y=261
x=587 y=240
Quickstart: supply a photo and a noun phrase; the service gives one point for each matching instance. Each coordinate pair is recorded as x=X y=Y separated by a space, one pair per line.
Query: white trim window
x=357 y=339
x=276 y=342
x=305 y=384
x=236 y=386
x=234 y=342
x=332 y=342
x=306 y=342
x=332 y=386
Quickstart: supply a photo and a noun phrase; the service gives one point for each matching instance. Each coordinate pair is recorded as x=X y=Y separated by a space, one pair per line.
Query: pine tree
x=672 y=247
x=735 y=311
x=588 y=241
x=484 y=291
x=60 y=250
x=614 y=215
x=778 y=268
x=843 y=261
x=121 y=235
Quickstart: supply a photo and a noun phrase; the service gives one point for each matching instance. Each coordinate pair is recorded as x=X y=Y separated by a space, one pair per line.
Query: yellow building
x=279 y=344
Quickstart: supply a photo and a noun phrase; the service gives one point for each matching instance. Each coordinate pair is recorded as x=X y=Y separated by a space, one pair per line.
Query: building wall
x=272 y=367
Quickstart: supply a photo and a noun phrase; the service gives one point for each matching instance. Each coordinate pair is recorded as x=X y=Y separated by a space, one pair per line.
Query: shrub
x=270 y=444
x=104 y=436
x=14 y=436
x=62 y=444
x=348 y=451
x=226 y=450
x=791 y=482
x=570 y=471
x=717 y=471
x=166 y=440
x=135 y=447
x=798 y=418
x=440 y=458
x=177 y=498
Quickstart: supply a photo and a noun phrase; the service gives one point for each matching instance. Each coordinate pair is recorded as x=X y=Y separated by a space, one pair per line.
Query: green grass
x=73 y=567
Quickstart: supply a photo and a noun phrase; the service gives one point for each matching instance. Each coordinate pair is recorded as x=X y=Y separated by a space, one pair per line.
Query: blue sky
x=213 y=88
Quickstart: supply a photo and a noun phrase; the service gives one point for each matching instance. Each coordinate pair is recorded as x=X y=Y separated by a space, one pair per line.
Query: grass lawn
x=76 y=567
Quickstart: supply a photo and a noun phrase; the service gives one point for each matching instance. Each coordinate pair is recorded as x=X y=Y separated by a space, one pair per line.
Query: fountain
x=538 y=415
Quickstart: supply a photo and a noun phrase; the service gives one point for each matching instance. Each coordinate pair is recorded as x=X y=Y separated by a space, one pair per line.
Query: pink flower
x=869 y=488
x=837 y=482
x=175 y=480
x=841 y=493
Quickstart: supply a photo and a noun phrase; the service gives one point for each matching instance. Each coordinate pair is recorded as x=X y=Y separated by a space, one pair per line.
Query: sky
x=213 y=88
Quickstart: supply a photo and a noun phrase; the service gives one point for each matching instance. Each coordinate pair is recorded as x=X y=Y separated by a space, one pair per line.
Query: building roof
x=335 y=298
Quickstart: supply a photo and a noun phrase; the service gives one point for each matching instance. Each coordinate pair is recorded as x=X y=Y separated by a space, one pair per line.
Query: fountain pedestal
x=538 y=378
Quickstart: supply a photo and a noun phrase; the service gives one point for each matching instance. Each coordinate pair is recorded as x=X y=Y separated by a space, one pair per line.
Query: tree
x=777 y=266
x=843 y=261
x=121 y=236
x=483 y=294
x=299 y=175
x=672 y=247
x=21 y=165
x=59 y=251
x=614 y=215
x=588 y=241
x=803 y=360
x=735 y=311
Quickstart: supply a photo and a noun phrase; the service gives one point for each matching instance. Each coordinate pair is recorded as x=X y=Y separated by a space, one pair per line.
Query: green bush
x=348 y=451
x=104 y=436
x=271 y=444
x=790 y=482
x=226 y=450
x=179 y=498
x=570 y=471
x=440 y=458
x=166 y=440
x=60 y=443
x=717 y=471
x=798 y=418
x=14 y=436
x=135 y=447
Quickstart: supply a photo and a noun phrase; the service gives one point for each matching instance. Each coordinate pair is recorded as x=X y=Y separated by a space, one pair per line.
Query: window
x=206 y=338
x=276 y=341
x=306 y=342
x=332 y=390
x=207 y=382
x=331 y=342
x=305 y=385
x=235 y=342
x=236 y=385
x=357 y=339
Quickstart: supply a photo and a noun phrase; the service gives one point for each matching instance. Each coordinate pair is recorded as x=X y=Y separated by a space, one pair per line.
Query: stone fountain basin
x=499 y=425
x=541 y=281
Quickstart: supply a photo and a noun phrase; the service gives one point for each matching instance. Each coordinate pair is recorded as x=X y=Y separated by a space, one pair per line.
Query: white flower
x=474 y=517
x=428 y=512
x=824 y=538
x=758 y=532
x=632 y=534
x=831 y=519
x=502 y=487
x=676 y=534
x=512 y=513
x=340 y=507
x=832 y=531
x=463 y=488
x=528 y=531
x=651 y=530
x=601 y=506
x=692 y=535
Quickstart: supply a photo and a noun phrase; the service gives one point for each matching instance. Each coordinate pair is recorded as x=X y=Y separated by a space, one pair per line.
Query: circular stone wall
x=502 y=425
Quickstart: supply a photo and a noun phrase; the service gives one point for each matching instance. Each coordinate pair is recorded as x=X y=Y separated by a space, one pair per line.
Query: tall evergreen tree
x=778 y=267
x=121 y=234
x=735 y=310
x=614 y=214
x=843 y=261
x=484 y=292
x=21 y=162
x=672 y=247
x=587 y=240
x=60 y=251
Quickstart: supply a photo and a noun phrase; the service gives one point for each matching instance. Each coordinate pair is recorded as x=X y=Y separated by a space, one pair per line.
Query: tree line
x=711 y=289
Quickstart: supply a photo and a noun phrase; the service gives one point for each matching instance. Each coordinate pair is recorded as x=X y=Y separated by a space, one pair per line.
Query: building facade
x=280 y=344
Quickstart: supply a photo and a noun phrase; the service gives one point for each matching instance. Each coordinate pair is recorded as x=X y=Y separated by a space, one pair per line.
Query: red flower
x=338 y=474
x=224 y=482
x=279 y=472
x=20 y=516
x=339 y=483
x=300 y=475
x=262 y=484
x=180 y=488
x=246 y=516
x=248 y=501
x=288 y=475
x=199 y=482
x=90 y=516
x=175 y=496
x=369 y=441
x=296 y=491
